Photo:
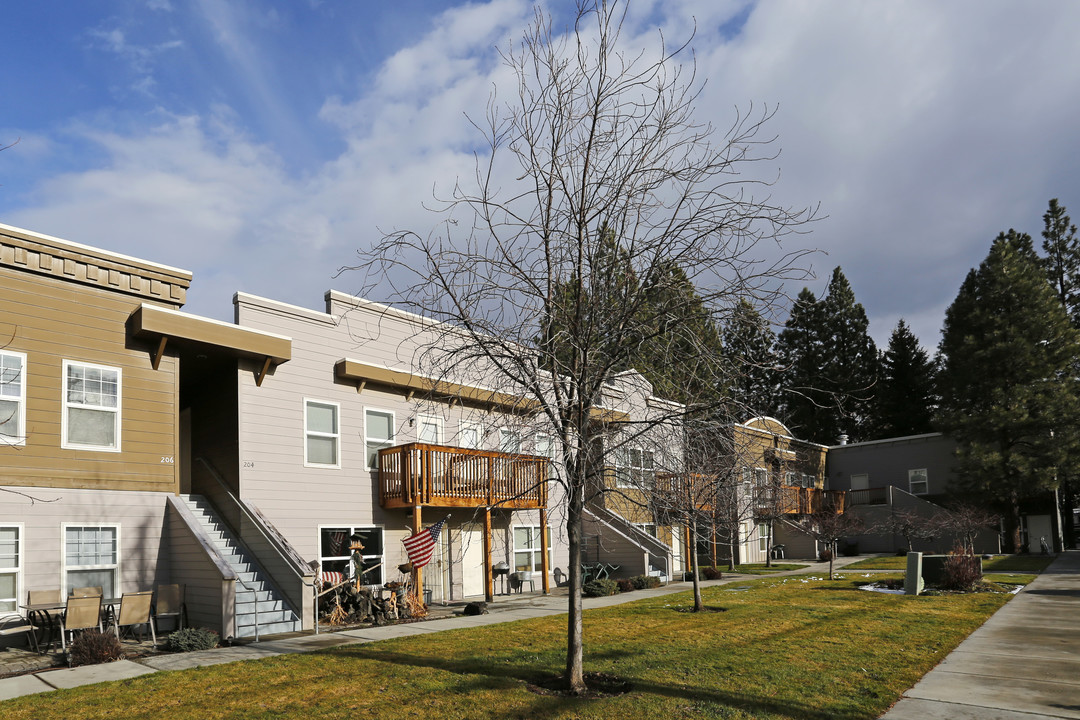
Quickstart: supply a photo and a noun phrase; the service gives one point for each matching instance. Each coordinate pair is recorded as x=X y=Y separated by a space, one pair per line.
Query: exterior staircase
x=253 y=588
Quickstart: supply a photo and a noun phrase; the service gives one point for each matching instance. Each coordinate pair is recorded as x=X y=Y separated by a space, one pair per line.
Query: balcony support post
x=489 y=581
x=544 y=551
x=417 y=573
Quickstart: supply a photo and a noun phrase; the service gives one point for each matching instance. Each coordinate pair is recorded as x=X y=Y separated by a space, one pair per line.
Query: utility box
x=913 y=580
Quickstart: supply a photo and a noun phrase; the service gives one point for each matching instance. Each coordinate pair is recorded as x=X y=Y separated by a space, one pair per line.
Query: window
x=792 y=479
x=634 y=468
x=12 y=398
x=647 y=528
x=336 y=555
x=544 y=447
x=470 y=435
x=378 y=434
x=92 y=558
x=322 y=434
x=761 y=477
x=429 y=429
x=10 y=567
x=747 y=479
x=527 y=551
x=91 y=407
x=860 y=481
x=809 y=480
x=763 y=537
x=509 y=441
x=917 y=484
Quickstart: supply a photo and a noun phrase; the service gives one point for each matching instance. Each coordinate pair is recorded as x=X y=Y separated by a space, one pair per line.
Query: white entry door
x=472 y=560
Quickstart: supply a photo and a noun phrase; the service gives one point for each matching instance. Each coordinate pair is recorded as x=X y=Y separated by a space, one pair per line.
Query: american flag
x=421 y=545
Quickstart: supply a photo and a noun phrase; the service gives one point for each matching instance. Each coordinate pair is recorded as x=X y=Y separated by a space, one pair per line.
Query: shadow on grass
x=499 y=677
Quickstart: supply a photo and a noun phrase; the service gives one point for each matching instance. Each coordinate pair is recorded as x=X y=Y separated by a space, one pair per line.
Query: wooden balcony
x=424 y=475
x=806 y=501
x=697 y=489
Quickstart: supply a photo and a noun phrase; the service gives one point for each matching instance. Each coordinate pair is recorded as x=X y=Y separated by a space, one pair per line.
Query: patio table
x=46 y=610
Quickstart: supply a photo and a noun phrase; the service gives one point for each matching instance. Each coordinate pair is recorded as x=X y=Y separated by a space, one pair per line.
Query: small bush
x=962 y=571
x=712 y=573
x=825 y=555
x=625 y=585
x=600 y=588
x=190 y=639
x=93 y=647
x=644 y=582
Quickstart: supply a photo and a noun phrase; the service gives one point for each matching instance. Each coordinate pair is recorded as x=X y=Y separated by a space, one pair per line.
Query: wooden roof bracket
x=360 y=386
x=155 y=360
x=260 y=374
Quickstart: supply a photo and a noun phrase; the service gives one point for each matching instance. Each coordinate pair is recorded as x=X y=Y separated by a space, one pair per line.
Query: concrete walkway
x=504 y=609
x=1022 y=664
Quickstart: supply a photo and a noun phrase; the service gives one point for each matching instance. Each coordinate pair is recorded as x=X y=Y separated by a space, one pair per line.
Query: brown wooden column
x=489 y=581
x=418 y=573
x=544 y=550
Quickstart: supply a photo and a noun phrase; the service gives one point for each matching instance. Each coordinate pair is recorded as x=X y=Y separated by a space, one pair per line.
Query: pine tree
x=801 y=352
x=748 y=344
x=1062 y=261
x=905 y=399
x=1008 y=392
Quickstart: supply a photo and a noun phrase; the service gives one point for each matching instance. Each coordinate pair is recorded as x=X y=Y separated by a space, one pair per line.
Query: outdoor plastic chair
x=169 y=602
x=16 y=625
x=82 y=613
x=46 y=622
x=134 y=610
x=86 y=591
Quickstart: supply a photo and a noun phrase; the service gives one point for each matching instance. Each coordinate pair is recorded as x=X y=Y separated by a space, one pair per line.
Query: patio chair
x=48 y=623
x=86 y=592
x=16 y=625
x=82 y=613
x=169 y=602
x=134 y=610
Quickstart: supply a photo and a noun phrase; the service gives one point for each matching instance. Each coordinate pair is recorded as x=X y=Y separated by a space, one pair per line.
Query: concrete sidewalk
x=1022 y=664
x=504 y=609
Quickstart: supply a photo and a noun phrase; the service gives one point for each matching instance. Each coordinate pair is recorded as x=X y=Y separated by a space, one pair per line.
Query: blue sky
x=259 y=144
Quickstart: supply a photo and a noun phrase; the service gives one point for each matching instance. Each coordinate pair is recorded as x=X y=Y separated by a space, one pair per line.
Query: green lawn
x=760 y=569
x=771 y=648
x=1000 y=563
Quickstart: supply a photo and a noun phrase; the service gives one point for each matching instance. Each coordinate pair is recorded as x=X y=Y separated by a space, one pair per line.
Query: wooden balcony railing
x=806 y=501
x=696 y=488
x=443 y=476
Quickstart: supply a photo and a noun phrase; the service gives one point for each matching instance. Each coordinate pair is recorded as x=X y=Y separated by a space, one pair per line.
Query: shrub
x=962 y=571
x=644 y=582
x=190 y=639
x=712 y=573
x=93 y=647
x=850 y=549
x=825 y=555
x=599 y=588
x=625 y=585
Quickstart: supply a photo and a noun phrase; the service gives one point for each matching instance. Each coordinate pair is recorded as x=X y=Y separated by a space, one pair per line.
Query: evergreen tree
x=830 y=365
x=905 y=399
x=1062 y=261
x=1008 y=392
x=748 y=344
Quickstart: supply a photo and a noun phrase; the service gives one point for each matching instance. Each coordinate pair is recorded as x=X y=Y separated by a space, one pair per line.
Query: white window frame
x=350 y=529
x=20 y=412
x=336 y=436
x=368 y=440
x=648 y=528
x=509 y=441
x=435 y=420
x=792 y=479
x=761 y=477
x=537 y=550
x=20 y=552
x=473 y=425
x=763 y=537
x=631 y=476
x=64 y=567
x=912 y=482
x=65 y=422
x=809 y=480
x=539 y=441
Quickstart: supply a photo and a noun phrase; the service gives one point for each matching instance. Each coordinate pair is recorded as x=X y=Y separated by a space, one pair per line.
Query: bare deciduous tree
x=911 y=525
x=595 y=154
x=829 y=527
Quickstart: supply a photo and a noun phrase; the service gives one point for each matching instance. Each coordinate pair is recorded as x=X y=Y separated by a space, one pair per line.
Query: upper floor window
x=634 y=468
x=792 y=479
x=12 y=398
x=429 y=429
x=91 y=407
x=322 y=434
x=378 y=434
x=917 y=484
x=470 y=434
x=544 y=447
x=509 y=441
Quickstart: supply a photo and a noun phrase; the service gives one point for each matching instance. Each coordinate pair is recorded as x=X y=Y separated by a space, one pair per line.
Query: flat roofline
x=153 y=322
x=903 y=438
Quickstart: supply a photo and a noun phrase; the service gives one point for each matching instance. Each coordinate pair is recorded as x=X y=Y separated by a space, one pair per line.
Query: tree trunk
x=768 y=544
x=698 y=605
x=832 y=555
x=575 y=672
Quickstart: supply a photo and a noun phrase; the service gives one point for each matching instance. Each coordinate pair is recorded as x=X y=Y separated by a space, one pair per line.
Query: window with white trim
x=917 y=482
x=809 y=480
x=528 y=553
x=10 y=568
x=763 y=537
x=792 y=479
x=12 y=398
x=544 y=447
x=509 y=441
x=337 y=544
x=429 y=429
x=647 y=528
x=92 y=558
x=322 y=434
x=378 y=434
x=470 y=435
x=634 y=468
x=91 y=417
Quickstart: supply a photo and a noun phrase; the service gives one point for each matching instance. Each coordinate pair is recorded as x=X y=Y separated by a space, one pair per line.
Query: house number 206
x=166 y=459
